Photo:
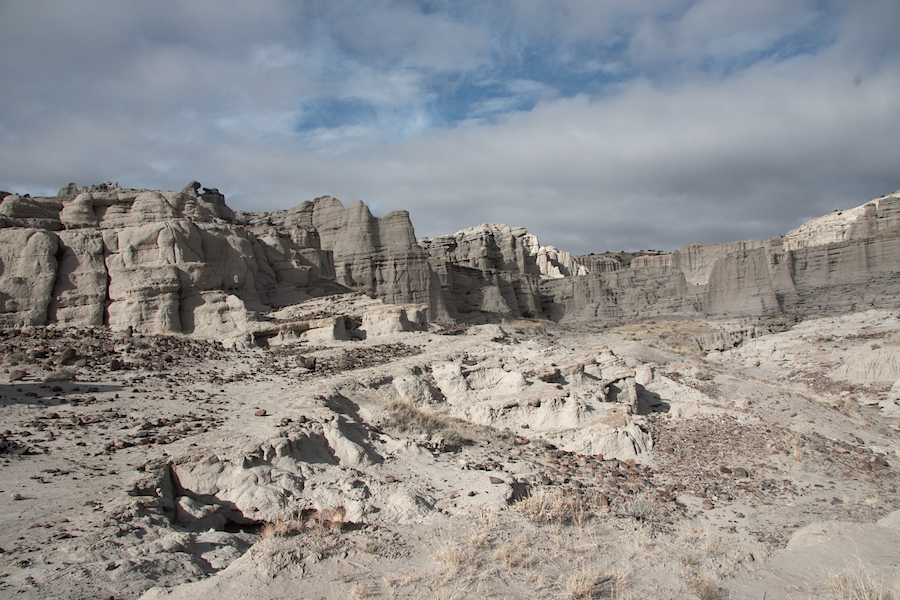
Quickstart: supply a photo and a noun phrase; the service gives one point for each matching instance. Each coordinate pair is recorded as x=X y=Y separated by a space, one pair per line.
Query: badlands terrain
x=313 y=404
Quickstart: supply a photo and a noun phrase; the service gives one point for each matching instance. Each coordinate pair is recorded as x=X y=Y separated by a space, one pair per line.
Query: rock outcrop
x=153 y=261
x=167 y=261
x=842 y=262
x=494 y=269
x=376 y=256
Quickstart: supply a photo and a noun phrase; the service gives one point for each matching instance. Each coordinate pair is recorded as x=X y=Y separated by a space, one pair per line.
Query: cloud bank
x=598 y=126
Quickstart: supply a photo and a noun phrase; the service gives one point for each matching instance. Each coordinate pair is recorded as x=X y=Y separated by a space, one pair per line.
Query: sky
x=597 y=125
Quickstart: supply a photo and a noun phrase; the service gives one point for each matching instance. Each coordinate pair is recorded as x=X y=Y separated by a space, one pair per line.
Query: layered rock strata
x=842 y=262
x=166 y=261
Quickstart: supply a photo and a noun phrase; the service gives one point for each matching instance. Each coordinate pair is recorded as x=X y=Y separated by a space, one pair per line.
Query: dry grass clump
x=892 y=338
x=542 y=507
x=859 y=585
x=318 y=521
x=643 y=508
x=408 y=418
x=455 y=558
x=676 y=336
x=514 y=556
x=63 y=374
x=586 y=583
x=707 y=590
x=364 y=590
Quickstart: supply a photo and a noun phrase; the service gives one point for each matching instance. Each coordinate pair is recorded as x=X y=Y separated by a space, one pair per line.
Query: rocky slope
x=530 y=460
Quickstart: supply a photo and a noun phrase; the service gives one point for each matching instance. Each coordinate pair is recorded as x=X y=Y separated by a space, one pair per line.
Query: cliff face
x=162 y=261
x=376 y=256
x=849 y=260
x=153 y=261
x=494 y=269
x=185 y=262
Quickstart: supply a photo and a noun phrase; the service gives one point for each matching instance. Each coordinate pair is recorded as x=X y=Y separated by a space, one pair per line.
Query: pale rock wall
x=499 y=247
x=838 y=263
x=28 y=268
x=495 y=269
x=376 y=256
x=856 y=223
x=605 y=263
x=153 y=261
x=652 y=261
x=166 y=261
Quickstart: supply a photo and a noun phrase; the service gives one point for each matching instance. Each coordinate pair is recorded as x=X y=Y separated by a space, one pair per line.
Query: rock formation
x=815 y=269
x=183 y=262
x=165 y=261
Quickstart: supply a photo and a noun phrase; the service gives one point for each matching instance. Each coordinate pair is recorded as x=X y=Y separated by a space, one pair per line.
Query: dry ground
x=772 y=471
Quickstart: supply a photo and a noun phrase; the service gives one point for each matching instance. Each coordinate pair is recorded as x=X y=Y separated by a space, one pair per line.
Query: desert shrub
x=63 y=374
x=707 y=590
x=642 y=508
x=855 y=584
x=892 y=339
x=406 y=417
x=542 y=507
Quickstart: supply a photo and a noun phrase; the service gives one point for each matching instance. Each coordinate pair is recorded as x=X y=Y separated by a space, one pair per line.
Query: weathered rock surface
x=816 y=269
x=166 y=261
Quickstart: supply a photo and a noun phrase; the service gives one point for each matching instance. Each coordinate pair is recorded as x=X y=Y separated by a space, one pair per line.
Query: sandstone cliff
x=166 y=261
x=841 y=262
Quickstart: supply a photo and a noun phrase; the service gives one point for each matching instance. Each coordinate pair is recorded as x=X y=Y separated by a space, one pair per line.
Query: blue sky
x=596 y=125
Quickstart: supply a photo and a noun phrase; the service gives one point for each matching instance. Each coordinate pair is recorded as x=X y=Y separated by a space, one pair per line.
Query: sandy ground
x=422 y=465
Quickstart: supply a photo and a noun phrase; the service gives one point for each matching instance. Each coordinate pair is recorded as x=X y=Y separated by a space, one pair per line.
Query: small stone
x=17 y=374
x=17 y=496
x=707 y=505
x=602 y=500
x=115 y=365
x=81 y=362
x=740 y=472
x=495 y=480
x=260 y=413
x=306 y=362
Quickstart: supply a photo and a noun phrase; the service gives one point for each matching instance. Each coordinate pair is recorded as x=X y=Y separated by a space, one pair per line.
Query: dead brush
x=643 y=508
x=514 y=556
x=406 y=417
x=63 y=374
x=707 y=590
x=317 y=521
x=455 y=558
x=585 y=583
x=542 y=507
x=856 y=584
